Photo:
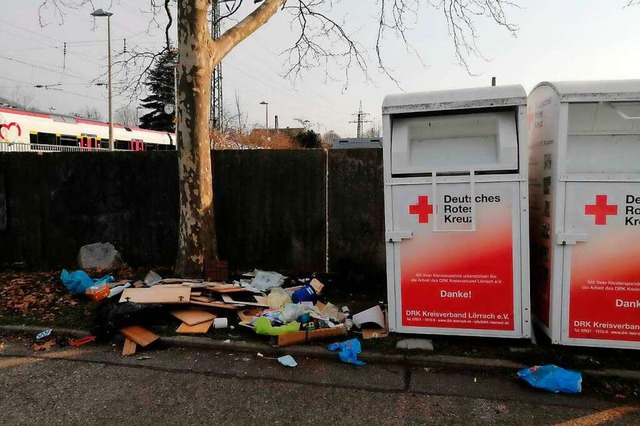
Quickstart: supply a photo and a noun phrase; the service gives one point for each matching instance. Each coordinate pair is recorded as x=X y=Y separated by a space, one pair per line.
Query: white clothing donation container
x=584 y=141
x=456 y=217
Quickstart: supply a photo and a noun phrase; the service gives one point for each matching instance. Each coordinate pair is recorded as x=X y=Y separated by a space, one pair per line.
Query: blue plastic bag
x=77 y=282
x=552 y=378
x=348 y=351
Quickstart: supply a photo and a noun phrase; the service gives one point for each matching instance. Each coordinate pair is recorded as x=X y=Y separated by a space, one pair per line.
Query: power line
x=64 y=73
x=27 y=84
x=80 y=55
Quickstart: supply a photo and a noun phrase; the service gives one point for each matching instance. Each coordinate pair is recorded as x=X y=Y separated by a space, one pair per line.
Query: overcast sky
x=556 y=40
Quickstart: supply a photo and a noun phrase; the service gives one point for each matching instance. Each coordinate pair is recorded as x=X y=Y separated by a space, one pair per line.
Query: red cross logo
x=601 y=209
x=423 y=209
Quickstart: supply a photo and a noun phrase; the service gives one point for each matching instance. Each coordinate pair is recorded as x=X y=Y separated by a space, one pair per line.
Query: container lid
x=479 y=97
x=595 y=91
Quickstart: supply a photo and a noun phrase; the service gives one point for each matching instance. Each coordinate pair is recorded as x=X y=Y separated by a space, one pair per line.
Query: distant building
x=342 y=143
x=292 y=131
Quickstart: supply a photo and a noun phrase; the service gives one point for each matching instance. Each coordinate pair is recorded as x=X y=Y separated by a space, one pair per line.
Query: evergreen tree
x=308 y=139
x=160 y=83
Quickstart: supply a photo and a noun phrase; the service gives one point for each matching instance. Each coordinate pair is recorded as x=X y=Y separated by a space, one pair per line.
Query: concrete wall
x=271 y=208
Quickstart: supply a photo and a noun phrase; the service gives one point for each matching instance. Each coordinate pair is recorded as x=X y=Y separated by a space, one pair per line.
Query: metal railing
x=39 y=147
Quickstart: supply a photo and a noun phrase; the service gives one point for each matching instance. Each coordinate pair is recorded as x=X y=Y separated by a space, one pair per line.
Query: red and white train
x=35 y=130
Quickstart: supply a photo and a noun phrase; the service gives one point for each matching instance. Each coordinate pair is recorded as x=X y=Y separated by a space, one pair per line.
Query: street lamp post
x=100 y=14
x=266 y=116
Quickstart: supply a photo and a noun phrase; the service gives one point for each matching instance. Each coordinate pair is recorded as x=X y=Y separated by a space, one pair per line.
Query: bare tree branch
x=243 y=29
x=320 y=39
x=167 y=10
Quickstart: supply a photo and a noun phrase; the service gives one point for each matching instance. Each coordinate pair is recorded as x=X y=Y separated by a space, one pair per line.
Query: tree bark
x=197 y=237
x=198 y=56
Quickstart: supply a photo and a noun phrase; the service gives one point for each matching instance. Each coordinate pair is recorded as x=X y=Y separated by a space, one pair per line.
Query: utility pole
x=360 y=121
x=215 y=113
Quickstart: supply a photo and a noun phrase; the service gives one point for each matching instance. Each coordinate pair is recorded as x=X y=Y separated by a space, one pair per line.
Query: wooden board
x=156 y=294
x=178 y=281
x=306 y=336
x=199 y=328
x=193 y=316
x=216 y=305
x=140 y=335
x=226 y=288
x=129 y=347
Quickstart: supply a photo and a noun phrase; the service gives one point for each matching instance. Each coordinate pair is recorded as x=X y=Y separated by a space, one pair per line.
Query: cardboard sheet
x=193 y=316
x=247 y=315
x=191 y=329
x=156 y=294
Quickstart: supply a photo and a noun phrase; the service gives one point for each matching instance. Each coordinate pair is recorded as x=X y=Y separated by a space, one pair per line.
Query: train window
x=33 y=138
x=122 y=145
x=66 y=140
x=151 y=147
x=47 y=138
x=104 y=144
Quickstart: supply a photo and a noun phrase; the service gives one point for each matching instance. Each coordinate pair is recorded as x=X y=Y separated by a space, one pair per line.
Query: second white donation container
x=585 y=211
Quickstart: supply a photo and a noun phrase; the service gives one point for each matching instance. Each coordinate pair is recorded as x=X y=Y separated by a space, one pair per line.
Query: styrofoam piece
x=373 y=315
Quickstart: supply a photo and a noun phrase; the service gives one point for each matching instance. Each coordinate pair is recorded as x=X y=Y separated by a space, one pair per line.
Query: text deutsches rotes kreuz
x=458 y=209
x=632 y=210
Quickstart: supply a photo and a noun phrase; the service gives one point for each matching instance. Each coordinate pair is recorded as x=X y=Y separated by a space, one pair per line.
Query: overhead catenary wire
x=62 y=72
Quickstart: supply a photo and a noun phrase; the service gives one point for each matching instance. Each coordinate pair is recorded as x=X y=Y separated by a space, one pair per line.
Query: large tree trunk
x=197 y=238
x=198 y=55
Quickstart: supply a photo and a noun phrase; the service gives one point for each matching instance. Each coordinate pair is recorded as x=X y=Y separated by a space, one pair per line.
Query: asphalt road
x=95 y=385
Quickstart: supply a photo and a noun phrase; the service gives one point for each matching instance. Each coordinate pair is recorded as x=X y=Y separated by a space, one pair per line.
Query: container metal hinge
x=563 y=238
x=397 y=236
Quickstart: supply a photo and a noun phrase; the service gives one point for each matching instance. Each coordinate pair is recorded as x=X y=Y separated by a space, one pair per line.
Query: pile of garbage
x=286 y=311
